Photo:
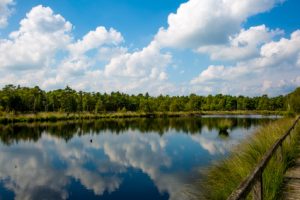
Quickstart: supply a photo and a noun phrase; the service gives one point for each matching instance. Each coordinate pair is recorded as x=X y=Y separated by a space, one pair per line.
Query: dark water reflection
x=114 y=159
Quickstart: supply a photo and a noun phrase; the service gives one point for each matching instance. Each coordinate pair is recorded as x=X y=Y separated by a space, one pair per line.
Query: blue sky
x=138 y=21
x=174 y=47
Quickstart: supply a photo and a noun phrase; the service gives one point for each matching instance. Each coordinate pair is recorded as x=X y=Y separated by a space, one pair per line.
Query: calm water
x=114 y=159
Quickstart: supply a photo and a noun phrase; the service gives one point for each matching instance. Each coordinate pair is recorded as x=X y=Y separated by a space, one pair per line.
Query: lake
x=136 y=159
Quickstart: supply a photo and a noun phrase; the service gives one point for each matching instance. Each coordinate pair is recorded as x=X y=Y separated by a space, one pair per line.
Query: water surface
x=133 y=159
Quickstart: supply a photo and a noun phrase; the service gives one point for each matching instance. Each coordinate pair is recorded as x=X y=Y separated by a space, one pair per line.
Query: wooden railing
x=254 y=182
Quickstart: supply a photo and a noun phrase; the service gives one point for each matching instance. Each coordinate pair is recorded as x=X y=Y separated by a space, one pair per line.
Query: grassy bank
x=226 y=175
x=60 y=116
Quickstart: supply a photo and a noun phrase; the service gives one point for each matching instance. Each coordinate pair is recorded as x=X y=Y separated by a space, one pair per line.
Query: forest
x=19 y=99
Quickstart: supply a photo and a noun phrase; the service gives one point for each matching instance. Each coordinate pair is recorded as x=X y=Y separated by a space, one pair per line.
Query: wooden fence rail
x=254 y=182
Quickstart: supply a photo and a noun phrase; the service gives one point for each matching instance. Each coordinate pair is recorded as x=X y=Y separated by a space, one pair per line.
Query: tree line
x=33 y=99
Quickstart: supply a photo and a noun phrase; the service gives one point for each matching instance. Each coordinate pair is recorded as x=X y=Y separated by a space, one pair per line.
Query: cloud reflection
x=45 y=169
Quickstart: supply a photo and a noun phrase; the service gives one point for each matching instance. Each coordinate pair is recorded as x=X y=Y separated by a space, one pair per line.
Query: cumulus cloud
x=77 y=63
x=148 y=61
x=140 y=71
x=41 y=34
x=108 y=53
x=242 y=46
x=5 y=11
x=220 y=73
x=208 y=22
x=96 y=39
x=275 y=67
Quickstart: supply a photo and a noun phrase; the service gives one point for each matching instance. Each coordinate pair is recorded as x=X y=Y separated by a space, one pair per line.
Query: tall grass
x=226 y=175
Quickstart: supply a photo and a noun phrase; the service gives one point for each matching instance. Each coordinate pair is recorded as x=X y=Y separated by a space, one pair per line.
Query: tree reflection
x=67 y=130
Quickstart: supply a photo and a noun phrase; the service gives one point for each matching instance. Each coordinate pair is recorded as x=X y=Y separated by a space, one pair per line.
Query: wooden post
x=258 y=188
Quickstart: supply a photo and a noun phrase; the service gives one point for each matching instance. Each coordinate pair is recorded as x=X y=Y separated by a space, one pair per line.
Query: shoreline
x=6 y=118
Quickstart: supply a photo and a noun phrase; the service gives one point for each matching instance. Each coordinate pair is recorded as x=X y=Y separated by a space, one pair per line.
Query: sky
x=174 y=47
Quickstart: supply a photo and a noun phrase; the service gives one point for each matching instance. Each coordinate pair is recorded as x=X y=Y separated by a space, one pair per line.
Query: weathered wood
x=258 y=188
x=250 y=182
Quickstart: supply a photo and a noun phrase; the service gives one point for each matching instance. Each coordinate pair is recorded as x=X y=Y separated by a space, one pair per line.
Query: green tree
x=294 y=101
x=99 y=107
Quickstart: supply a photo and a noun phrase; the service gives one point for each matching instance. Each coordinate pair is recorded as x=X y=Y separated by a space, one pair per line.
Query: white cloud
x=220 y=73
x=40 y=36
x=5 y=11
x=274 y=71
x=107 y=53
x=78 y=62
x=208 y=22
x=242 y=46
x=283 y=49
x=96 y=39
x=140 y=71
x=148 y=61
